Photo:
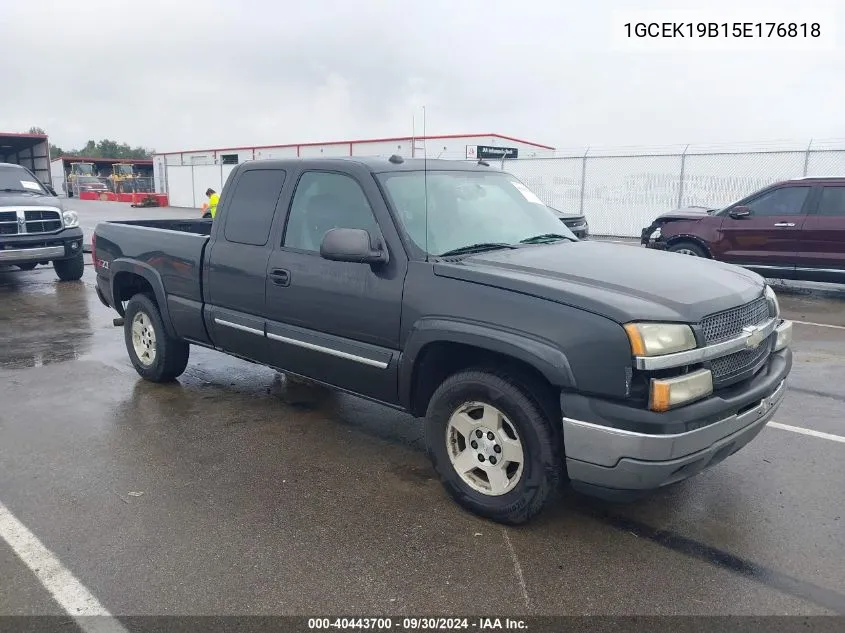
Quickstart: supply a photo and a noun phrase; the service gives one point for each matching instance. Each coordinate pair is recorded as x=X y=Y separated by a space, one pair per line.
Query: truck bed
x=169 y=251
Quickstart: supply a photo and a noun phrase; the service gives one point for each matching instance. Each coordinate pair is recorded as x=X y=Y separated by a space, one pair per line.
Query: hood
x=28 y=200
x=568 y=217
x=618 y=281
x=686 y=213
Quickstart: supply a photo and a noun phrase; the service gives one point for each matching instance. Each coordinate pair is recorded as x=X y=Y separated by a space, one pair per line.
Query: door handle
x=280 y=277
x=784 y=223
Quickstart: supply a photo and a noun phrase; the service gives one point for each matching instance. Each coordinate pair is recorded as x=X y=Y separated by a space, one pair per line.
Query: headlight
x=657 y=339
x=71 y=219
x=772 y=298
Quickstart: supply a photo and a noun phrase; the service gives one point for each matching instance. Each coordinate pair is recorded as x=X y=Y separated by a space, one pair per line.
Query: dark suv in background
x=789 y=230
x=575 y=222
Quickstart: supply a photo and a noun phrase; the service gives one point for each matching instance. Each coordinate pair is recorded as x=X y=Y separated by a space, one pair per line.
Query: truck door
x=336 y=322
x=237 y=265
x=821 y=251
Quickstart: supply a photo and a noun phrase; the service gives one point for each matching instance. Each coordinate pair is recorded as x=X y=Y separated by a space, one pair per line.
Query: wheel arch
x=438 y=348
x=686 y=237
x=130 y=278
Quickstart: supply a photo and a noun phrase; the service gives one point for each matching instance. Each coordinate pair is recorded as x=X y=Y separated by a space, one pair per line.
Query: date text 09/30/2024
x=416 y=624
x=739 y=30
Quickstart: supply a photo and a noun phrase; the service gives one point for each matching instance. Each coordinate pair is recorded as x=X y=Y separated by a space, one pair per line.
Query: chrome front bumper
x=31 y=254
x=617 y=459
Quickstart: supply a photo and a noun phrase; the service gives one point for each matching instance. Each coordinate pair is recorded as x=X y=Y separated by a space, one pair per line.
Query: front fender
x=538 y=353
x=152 y=277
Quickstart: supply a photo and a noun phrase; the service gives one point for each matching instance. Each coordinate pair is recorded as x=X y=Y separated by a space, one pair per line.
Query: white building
x=185 y=175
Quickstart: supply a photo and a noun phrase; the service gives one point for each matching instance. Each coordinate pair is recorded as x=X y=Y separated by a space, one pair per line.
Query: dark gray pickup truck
x=450 y=291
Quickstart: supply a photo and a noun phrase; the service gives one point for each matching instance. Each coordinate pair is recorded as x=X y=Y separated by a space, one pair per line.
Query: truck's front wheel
x=155 y=354
x=497 y=454
x=70 y=269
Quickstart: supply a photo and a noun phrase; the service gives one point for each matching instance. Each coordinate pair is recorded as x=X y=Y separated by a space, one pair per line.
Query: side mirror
x=351 y=245
x=738 y=213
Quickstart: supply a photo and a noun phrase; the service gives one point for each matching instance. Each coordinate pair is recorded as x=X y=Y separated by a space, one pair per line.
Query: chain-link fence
x=620 y=194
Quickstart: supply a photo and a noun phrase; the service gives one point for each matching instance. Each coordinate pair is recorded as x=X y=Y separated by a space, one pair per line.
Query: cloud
x=205 y=73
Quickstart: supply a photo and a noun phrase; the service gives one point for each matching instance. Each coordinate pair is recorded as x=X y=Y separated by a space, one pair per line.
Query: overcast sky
x=183 y=74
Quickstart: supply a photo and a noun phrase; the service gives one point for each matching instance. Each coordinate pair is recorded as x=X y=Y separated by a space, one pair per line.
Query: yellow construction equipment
x=78 y=170
x=123 y=177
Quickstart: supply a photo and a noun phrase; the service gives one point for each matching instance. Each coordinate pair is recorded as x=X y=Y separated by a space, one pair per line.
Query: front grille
x=728 y=324
x=30 y=222
x=42 y=221
x=732 y=368
x=8 y=223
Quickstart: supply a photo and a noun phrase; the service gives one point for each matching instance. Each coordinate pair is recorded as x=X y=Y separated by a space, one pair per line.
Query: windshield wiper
x=477 y=248
x=544 y=238
x=16 y=190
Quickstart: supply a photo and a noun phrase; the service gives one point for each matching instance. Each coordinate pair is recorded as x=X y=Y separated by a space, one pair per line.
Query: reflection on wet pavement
x=43 y=321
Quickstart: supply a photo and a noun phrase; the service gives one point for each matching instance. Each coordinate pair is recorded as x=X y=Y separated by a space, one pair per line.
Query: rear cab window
x=249 y=212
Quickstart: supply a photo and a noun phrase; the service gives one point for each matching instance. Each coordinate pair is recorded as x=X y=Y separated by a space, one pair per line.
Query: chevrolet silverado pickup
x=448 y=290
x=35 y=228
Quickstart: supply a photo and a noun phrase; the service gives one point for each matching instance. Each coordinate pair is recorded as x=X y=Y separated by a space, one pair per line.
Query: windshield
x=82 y=168
x=468 y=208
x=19 y=179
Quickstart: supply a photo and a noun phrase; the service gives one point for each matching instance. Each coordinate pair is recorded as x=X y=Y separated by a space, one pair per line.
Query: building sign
x=490 y=151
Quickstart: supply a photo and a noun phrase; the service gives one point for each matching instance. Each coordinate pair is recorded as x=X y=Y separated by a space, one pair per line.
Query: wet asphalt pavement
x=228 y=494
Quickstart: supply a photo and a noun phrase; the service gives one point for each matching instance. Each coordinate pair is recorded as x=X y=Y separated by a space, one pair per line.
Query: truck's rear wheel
x=496 y=452
x=70 y=269
x=155 y=354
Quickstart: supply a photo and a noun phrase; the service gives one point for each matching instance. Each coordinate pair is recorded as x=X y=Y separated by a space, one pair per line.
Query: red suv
x=789 y=230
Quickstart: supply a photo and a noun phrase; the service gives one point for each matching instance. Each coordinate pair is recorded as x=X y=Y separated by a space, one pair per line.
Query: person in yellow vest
x=213 y=199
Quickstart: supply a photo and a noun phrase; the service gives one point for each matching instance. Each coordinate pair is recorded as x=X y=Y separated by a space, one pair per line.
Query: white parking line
x=810 y=432
x=71 y=594
x=835 y=327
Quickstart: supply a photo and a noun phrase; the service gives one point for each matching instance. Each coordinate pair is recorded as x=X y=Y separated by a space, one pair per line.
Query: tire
x=688 y=248
x=30 y=266
x=526 y=490
x=165 y=358
x=70 y=269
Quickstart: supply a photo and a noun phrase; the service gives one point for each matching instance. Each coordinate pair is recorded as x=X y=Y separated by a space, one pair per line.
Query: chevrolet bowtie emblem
x=755 y=336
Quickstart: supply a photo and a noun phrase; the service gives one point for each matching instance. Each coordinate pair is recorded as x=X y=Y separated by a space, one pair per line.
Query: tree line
x=105 y=148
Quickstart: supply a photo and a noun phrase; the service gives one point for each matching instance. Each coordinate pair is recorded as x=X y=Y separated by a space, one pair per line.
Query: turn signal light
x=667 y=393
x=784 y=336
